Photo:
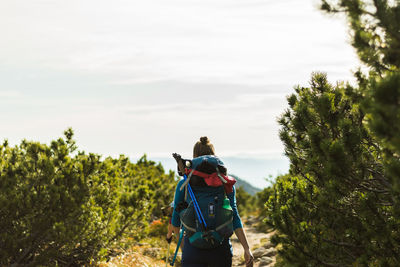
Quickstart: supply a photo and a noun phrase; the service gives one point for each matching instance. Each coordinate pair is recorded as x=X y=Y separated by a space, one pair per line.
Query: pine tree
x=339 y=206
x=374 y=27
x=334 y=202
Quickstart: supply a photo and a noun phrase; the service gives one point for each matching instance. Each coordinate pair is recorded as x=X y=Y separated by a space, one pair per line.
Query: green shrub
x=336 y=207
x=59 y=206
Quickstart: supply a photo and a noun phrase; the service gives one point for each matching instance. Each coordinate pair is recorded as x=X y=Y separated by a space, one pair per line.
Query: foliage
x=59 y=206
x=336 y=207
x=245 y=201
x=159 y=228
x=261 y=199
x=383 y=108
x=339 y=205
x=261 y=211
x=374 y=26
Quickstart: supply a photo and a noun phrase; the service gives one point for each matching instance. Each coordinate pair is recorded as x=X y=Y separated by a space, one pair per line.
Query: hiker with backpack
x=205 y=207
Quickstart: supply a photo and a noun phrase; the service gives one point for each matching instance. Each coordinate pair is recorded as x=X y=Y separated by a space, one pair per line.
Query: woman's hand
x=249 y=258
x=175 y=229
x=172 y=229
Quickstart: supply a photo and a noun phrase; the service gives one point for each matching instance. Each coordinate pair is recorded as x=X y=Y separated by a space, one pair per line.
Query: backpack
x=210 y=197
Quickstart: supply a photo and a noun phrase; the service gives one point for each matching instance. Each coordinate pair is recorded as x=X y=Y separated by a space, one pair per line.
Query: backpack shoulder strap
x=187 y=180
x=220 y=176
x=185 y=184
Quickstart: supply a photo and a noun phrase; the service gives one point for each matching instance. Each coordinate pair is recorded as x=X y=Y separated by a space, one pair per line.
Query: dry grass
x=150 y=253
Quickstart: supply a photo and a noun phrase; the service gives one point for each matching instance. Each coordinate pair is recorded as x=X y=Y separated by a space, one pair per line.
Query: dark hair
x=203 y=147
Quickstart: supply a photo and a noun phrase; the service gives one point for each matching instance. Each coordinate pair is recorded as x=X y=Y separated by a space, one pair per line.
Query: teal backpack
x=207 y=216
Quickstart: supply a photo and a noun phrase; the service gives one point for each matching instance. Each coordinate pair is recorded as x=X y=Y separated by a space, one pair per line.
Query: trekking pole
x=169 y=245
x=197 y=208
x=178 y=159
x=196 y=205
x=177 y=247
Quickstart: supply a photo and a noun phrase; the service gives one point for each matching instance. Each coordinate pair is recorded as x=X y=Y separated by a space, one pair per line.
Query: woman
x=220 y=256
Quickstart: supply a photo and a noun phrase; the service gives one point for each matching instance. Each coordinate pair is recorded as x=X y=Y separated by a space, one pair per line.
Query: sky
x=133 y=77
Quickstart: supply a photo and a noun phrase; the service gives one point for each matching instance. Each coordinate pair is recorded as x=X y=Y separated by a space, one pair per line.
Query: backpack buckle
x=208 y=236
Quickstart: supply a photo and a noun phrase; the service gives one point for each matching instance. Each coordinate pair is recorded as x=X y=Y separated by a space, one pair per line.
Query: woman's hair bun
x=204 y=140
x=203 y=147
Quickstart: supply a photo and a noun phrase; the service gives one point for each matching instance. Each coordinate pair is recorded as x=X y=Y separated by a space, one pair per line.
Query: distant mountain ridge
x=252 y=190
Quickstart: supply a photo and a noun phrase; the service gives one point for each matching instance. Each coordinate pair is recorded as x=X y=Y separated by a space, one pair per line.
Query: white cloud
x=10 y=94
x=241 y=41
x=153 y=76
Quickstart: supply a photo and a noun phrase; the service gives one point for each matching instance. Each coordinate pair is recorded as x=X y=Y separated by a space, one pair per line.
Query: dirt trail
x=145 y=255
x=256 y=240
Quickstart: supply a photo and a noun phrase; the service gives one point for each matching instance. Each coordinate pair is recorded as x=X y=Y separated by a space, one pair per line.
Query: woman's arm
x=248 y=256
x=175 y=223
x=238 y=228
x=178 y=198
x=237 y=222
